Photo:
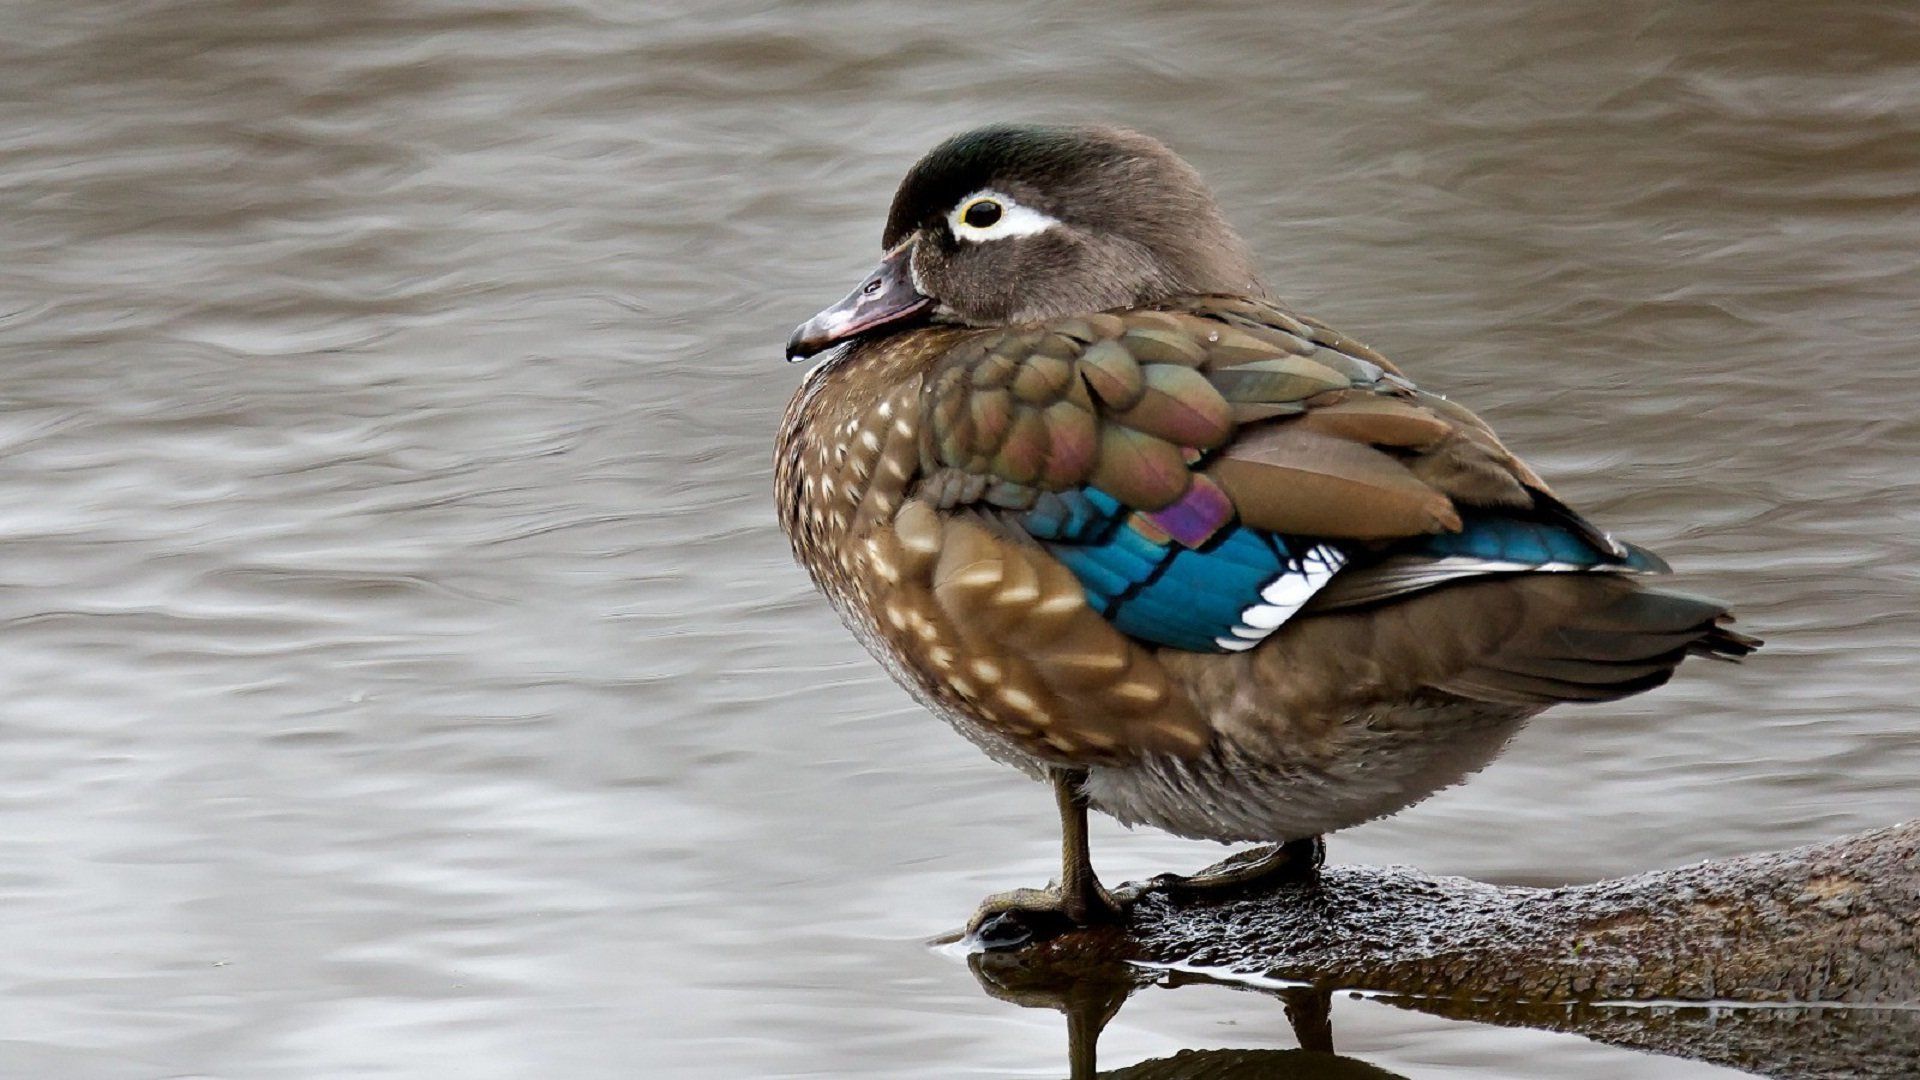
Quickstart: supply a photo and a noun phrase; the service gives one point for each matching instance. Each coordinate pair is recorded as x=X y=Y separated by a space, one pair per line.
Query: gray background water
x=404 y=676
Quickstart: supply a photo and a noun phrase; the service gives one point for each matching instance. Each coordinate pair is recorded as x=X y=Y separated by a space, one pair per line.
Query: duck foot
x=1243 y=871
x=1009 y=919
x=1077 y=900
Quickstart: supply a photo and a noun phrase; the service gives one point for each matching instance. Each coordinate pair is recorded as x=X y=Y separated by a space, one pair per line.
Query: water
x=405 y=676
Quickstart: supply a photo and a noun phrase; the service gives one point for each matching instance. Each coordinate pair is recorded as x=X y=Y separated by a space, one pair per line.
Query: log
x=1802 y=963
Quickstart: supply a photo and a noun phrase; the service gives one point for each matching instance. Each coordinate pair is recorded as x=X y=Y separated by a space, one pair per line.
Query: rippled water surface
x=405 y=676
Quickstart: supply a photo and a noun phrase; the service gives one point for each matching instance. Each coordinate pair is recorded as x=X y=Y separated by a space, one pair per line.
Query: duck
x=1197 y=561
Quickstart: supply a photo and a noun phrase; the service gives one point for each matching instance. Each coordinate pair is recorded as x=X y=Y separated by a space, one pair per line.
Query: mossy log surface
x=1820 y=944
x=1832 y=922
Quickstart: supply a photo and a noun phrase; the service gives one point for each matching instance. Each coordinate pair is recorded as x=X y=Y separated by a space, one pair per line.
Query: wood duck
x=1203 y=563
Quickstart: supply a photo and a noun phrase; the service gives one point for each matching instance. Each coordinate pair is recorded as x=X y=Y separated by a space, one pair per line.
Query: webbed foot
x=1295 y=860
x=1008 y=919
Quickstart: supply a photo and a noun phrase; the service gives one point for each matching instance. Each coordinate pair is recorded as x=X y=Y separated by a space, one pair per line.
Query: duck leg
x=1295 y=860
x=1076 y=899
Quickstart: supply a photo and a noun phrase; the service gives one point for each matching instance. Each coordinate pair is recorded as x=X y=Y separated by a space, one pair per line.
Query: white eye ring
x=1014 y=220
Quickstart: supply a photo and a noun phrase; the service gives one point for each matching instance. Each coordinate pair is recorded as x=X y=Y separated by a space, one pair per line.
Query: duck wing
x=1213 y=467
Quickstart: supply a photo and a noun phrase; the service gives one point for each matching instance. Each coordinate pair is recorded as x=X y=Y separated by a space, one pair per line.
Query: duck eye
x=981 y=214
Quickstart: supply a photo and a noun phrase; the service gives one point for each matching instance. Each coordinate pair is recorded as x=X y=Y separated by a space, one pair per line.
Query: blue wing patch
x=1514 y=543
x=1227 y=595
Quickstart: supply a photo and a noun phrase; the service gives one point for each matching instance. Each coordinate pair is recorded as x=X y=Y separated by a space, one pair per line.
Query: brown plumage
x=1209 y=564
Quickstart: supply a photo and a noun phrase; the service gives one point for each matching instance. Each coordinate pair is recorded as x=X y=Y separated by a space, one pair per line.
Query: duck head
x=1011 y=224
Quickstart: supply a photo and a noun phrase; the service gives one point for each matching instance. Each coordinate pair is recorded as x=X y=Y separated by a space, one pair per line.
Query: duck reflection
x=1092 y=995
x=1789 y=1043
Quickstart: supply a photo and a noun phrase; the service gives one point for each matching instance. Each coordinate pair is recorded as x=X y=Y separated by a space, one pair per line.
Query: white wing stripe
x=1282 y=597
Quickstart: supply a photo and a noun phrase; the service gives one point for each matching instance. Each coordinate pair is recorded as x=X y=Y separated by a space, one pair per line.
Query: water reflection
x=1792 y=1043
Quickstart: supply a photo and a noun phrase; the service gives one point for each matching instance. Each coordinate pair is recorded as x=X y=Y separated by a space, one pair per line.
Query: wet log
x=1800 y=965
x=1831 y=922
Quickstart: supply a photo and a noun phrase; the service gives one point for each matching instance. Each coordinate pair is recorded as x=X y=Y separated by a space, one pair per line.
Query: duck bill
x=886 y=298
